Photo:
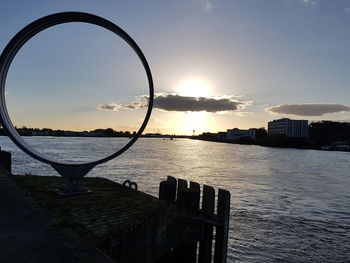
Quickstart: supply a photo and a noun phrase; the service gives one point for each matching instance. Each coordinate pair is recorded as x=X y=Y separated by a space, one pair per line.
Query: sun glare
x=195 y=87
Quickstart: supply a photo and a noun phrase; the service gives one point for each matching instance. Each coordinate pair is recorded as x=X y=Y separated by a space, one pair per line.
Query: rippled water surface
x=287 y=205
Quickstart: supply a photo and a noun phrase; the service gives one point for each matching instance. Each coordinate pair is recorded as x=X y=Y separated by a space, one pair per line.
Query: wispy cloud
x=207 y=5
x=138 y=104
x=347 y=10
x=174 y=102
x=308 y=109
x=309 y=2
x=305 y=2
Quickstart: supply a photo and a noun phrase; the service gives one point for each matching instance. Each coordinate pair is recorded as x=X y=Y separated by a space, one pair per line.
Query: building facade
x=289 y=128
x=235 y=134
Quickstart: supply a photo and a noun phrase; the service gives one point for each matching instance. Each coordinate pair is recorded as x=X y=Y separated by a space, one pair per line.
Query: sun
x=195 y=87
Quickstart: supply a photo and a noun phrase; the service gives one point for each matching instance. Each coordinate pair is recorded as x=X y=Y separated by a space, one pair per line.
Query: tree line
x=109 y=132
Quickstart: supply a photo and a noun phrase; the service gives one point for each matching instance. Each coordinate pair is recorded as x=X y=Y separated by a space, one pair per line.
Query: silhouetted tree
x=261 y=133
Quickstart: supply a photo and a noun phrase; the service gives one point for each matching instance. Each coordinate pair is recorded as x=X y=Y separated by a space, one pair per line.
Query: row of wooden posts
x=187 y=197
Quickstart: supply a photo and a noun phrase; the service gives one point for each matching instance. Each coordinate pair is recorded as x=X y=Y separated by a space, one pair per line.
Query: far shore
x=276 y=145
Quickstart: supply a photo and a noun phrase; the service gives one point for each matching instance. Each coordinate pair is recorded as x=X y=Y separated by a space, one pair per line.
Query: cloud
x=305 y=2
x=309 y=109
x=309 y=2
x=174 y=102
x=347 y=10
x=115 y=106
x=207 y=5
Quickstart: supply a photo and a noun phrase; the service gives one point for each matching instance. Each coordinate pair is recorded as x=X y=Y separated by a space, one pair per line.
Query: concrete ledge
x=27 y=233
x=112 y=224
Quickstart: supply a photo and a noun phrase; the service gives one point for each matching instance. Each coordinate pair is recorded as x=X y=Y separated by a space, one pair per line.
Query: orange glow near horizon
x=193 y=87
x=195 y=120
x=184 y=123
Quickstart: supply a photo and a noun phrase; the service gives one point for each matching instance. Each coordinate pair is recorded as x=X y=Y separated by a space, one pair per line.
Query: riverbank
x=28 y=232
x=107 y=133
x=293 y=143
x=110 y=223
x=111 y=214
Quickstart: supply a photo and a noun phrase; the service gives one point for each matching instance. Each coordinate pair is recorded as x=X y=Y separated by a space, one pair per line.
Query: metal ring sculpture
x=69 y=170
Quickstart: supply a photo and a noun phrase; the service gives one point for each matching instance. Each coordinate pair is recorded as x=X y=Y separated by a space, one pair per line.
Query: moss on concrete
x=108 y=211
x=122 y=222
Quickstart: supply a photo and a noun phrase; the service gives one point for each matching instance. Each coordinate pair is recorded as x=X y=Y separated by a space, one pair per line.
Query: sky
x=216 y=65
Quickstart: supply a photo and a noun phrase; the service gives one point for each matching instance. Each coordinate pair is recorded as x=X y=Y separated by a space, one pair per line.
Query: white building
x=289 y=128
x=235 y=134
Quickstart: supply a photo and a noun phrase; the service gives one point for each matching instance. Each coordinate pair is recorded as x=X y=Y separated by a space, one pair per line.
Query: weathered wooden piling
x=188 y=201
x=167 y=190
x=5 y=160
x=205 y=245
x=181 y=187
x=196 y=189
x=221 y=235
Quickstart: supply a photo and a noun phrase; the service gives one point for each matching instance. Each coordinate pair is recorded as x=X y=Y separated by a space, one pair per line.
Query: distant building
x=329 y=131
x=235 y=134
x=288 y=127
x=222 y=135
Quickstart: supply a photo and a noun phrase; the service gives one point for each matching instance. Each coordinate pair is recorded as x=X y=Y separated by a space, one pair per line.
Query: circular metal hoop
x=15 y=45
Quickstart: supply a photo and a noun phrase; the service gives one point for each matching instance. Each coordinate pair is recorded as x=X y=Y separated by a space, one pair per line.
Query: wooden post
x=167 y=190
x=181 y=186
x=221 y=237
x=195 y=187
x=208 y=202
x=171 y=179
x=188 y=201
x=5 y=160
x=184 y=254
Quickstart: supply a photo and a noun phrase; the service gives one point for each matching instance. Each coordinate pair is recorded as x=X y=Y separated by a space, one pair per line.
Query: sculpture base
x=73 y=188
x=68 y=193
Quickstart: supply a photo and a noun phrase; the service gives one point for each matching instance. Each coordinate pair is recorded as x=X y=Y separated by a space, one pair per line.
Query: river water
x=287 y=205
